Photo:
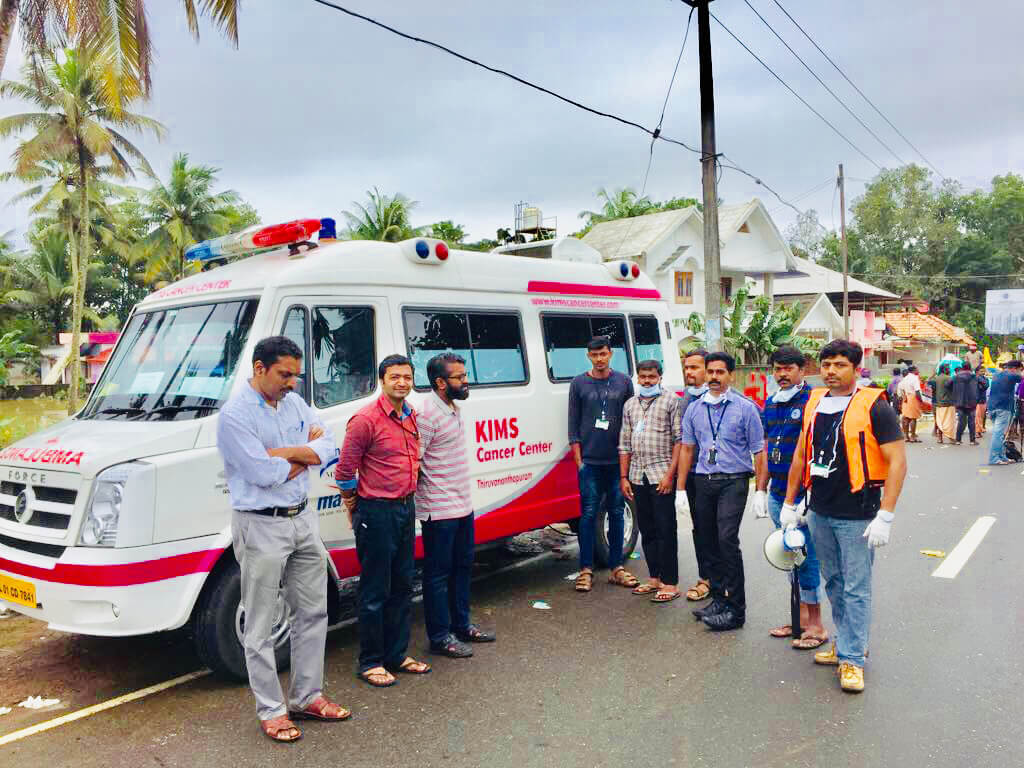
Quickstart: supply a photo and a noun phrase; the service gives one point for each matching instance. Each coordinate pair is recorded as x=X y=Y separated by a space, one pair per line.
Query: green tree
x=384 y=217
x=619 y=203
x=114 y=32
x=74 y=126
x=13 y=349
x=450 y=232
x=183 y=212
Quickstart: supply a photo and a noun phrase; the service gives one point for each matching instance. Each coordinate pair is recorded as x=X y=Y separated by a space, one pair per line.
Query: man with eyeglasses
x=445 y=511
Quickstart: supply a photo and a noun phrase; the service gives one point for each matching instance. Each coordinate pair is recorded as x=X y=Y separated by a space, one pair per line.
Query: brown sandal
x=412 y=667
x=584 y=581
x=699 y=591
x=808 y=642
x=324 y=709
x=276 y=726
x=623 y=578
x=786 y=630
x=378 y=677
x=645 y=589
x=666 y=596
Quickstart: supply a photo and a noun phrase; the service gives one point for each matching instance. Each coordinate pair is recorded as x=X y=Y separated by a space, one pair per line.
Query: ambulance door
x=342 y=339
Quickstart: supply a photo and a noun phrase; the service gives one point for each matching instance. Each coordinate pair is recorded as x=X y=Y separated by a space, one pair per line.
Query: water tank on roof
x=531 y=218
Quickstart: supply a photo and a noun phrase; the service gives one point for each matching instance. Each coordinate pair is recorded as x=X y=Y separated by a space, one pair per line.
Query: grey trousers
x=272 y=551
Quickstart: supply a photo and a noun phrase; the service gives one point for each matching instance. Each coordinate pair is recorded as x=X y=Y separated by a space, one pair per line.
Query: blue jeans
x=846 y=561
x=809 y=571
x=447 y=568
x=597 y=480
x=1000 y=423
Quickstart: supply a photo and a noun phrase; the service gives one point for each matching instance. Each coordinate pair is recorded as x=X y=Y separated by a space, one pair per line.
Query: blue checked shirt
x=247 y=428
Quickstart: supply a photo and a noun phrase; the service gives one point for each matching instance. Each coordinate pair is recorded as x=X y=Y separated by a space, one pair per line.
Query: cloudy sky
x=315 y=107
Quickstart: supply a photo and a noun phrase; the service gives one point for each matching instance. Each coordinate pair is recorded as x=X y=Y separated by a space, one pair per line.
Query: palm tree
x=75 y=127
x=618 y=204
x=183 y=211
x=384 y=218
x=115 y=32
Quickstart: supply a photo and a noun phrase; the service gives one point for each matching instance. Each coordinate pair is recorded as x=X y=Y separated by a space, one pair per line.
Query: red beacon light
x=635 y=270
x=441 y=251
x=422 y=250
x=623 y=270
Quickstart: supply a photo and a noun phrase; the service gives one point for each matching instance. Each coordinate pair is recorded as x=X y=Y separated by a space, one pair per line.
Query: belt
x=727 y=475
x=277 y=511
x=400 y=499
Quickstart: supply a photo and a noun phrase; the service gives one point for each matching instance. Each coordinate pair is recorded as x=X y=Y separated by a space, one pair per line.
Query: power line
x=858 y=90
x=934 y=277
x=824 y=85
x=806 y=194
x=732 y=165
x=802 y=100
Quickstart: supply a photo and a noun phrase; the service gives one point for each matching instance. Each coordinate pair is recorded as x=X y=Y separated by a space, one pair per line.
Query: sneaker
x=828 y=658
x=851 y=677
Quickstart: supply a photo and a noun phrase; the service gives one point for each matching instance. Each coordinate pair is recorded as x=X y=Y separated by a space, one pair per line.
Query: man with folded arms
x=267 y=437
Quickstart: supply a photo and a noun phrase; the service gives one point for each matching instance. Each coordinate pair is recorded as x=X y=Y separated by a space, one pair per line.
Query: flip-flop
x=786 y=630
x=666 y=597
x=809 y=643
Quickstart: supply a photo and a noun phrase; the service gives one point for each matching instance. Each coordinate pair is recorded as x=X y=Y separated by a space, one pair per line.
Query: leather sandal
x=699 y=591
x=623 y=578
x=324 y=709
x=412 y=667
x=280 y=729
x=584 y=581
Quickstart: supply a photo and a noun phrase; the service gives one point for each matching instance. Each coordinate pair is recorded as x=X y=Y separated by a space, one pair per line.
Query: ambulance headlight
x=119 y=506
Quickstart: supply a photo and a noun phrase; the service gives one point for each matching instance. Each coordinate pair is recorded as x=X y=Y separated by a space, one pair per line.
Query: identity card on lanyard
x=603 y=422
x=713 y=451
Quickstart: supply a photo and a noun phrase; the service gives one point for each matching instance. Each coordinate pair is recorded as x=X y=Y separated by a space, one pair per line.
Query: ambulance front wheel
x=630 y=533
x=219 y=622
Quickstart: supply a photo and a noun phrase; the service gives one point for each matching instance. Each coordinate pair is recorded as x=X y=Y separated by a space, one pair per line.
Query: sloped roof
x=820 y=279
x=914 y=325
x=633 y=237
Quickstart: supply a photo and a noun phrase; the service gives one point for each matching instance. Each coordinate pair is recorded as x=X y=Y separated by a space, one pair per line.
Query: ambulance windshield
x=173 y=364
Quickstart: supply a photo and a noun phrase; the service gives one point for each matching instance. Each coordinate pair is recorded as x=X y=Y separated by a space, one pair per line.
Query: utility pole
x=846 y=267
x=712 y=256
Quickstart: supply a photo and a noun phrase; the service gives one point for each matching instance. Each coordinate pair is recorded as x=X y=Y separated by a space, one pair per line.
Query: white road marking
x=109 y=704
x=956 y=559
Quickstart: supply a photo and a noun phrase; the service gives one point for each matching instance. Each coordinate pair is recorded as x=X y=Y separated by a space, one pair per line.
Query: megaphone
x=785 y=550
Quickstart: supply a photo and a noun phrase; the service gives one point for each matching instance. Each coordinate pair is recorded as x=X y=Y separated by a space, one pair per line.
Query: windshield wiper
x=119 y=412
x=172 y=409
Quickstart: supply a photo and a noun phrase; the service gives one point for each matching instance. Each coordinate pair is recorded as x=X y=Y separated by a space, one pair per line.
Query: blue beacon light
x=422 y=249
x=624 y=269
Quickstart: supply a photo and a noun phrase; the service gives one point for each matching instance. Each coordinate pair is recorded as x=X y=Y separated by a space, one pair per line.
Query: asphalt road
x=607 y=679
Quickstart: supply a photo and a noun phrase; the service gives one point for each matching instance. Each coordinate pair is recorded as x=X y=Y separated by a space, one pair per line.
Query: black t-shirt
x=831 y=496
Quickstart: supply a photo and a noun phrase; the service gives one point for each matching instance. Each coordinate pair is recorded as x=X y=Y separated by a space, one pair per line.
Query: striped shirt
x=443 y=491
x=783 y=423
x=650 y=430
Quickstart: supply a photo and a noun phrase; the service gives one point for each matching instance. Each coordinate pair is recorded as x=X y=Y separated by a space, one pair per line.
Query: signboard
x=1004 y=311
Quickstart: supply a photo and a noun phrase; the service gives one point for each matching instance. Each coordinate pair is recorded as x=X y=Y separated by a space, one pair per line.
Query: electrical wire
x=936 y=277
x=824 y=85
x=789 y=88
x=805 y=195
x=734 y=166
x=858 y=90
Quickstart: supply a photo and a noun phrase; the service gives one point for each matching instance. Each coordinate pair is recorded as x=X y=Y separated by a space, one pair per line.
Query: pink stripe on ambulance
x=443 y=491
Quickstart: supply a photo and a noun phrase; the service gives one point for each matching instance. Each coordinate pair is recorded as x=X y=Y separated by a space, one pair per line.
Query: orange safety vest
x=863 y=456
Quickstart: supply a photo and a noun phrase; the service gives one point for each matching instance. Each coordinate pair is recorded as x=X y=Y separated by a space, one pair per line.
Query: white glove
x=682 y=504
x=877 y=532
x=760 y=504
x=801 y=510
x=789 y=517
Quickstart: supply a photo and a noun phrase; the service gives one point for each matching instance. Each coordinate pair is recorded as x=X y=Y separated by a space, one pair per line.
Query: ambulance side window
x=490 y=342
x=565 y=343
x=343 y=354
x=646 y=338
x=295 y=328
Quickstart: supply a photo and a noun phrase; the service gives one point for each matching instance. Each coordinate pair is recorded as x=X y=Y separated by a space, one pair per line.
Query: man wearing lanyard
x=596 y=399
x=783 y=419
x=377 y=474
x=268 y=437
x=852 y=458
x=723 y=436
x=694 y=374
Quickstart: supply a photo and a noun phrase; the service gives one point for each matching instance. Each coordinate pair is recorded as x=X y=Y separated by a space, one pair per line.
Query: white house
x=669 y=246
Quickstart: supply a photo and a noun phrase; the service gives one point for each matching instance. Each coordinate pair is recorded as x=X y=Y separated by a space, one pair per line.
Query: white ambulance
x=116 y=521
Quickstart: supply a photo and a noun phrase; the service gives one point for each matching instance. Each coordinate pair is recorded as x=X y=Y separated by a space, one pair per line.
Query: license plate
x=17 y=591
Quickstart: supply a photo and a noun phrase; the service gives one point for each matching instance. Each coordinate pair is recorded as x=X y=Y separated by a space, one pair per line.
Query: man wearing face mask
x=648 y=452
x=694 y=373
x=783 y=419
x=722 y=434
x=445 y=511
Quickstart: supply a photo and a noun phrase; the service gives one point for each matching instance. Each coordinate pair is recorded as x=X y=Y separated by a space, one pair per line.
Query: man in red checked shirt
x=377 y=474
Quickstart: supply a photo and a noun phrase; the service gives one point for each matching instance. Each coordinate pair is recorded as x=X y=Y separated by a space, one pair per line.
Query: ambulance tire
x=216 y=627
x=631 y=534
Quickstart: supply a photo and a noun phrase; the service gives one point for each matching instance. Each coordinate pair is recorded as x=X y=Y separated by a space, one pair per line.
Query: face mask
x=697 y=391
x=785 y=395
x=649 y=391
x=711 y=399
